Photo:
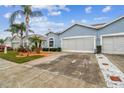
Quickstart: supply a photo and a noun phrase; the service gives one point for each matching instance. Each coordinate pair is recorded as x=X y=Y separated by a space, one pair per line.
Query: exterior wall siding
x=78 y=31
x=116 y=27
x=57 y=40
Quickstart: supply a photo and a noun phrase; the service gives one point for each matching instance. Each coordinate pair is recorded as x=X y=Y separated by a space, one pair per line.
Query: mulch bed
x=21 y=54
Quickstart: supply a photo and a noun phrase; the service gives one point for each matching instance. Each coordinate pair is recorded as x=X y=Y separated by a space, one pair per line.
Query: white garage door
x=113 y=45
x=82 y=44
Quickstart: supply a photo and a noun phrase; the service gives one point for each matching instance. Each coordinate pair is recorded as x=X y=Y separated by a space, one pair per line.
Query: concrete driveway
x=117 y=60
x=83 y=67
x=25 y=75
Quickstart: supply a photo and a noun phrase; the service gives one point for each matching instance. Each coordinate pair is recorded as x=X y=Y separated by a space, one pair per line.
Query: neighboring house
x=8 y=42
x=15 y=41
x=83 y=38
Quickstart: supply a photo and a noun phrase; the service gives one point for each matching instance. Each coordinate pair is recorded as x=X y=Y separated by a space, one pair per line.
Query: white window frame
x=80 y=37
x=53 y=42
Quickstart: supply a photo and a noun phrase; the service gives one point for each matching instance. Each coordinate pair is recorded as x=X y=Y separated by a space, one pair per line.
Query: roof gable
x=95 y=27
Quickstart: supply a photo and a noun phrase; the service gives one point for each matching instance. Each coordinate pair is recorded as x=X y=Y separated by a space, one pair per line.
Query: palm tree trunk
x=11 y=41
x=27 y=29
x=21 y=42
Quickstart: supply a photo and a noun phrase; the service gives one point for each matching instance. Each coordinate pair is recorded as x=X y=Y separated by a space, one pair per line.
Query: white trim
x=107 y=35
x=77 y=37
x=72 y=37
x=77 y=51
x=53 y=42
x=116 y=19
x=61 y=42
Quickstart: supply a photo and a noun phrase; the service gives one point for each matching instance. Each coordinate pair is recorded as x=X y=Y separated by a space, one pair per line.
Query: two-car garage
x=111 y=44
x=79 y=44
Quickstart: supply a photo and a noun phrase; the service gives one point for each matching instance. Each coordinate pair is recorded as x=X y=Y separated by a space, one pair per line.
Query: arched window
x=51 y=42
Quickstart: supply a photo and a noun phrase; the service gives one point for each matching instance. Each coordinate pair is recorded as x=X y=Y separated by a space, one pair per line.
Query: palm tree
x=20 y=33
x=21 y=30
x=27 y=12
x=1 y=41
x=13 y=30
x=37 y=41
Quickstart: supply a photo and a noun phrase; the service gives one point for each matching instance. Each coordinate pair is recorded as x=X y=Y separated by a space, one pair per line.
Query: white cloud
x=88 y=9
x=39 y=6
x=54 y=13
x=106 y=9
x=7 y=6
x=18 y=21
x=51 y=7
x=73 y=21
x=101 y=18
x=7 y=15
x=41 y=25
x=19 y=16
x=63 y=7
x=53 y=10
x=84 y=21
x=79 y=21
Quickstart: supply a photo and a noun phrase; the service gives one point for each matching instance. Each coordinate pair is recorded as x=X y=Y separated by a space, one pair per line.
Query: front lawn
x=11 y=56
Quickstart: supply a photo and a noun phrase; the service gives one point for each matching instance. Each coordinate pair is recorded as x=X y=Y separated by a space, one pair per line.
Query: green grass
x=11 y=56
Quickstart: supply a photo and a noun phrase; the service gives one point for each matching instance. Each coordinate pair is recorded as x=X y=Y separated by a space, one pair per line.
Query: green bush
x=59 y=49
x=45 y=49
x=99 y=48
x=21 y=49
x=33 y=47
x=52 y=49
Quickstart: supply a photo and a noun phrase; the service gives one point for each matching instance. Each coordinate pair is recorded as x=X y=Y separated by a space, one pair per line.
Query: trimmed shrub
x=9 y=49
x=99 y=48
x=59 y=49
x=33 y=48
x=22 y=50
x=52 y=49
x=45 y=49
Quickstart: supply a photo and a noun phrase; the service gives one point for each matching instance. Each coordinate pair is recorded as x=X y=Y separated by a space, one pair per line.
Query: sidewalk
x=114 y=78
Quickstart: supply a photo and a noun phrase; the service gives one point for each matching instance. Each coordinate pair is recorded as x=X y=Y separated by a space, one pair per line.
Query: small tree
x=37 y=41
x=1 y=43
x=20 y=32
x=13 y=30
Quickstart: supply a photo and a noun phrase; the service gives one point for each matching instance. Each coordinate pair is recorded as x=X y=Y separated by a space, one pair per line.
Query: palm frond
x=14 y=15
x=36 y=14
x=27 y=9
x=31 y=31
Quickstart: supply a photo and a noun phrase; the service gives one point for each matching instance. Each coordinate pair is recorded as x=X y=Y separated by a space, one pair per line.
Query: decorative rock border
x=114 y=78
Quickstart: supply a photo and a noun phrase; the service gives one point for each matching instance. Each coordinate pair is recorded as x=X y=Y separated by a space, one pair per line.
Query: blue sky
x=59 y=17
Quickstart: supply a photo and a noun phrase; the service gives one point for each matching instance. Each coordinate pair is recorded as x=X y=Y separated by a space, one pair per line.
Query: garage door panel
x=113 y=45
x=79 y=44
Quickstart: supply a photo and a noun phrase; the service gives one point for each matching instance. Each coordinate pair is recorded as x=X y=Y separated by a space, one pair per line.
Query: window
x=51 y=42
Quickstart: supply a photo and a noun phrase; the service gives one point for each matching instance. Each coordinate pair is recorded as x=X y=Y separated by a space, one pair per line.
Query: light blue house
x=83 y=38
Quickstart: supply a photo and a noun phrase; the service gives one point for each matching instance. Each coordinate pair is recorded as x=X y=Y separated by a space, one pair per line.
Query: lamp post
x=48 y=40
